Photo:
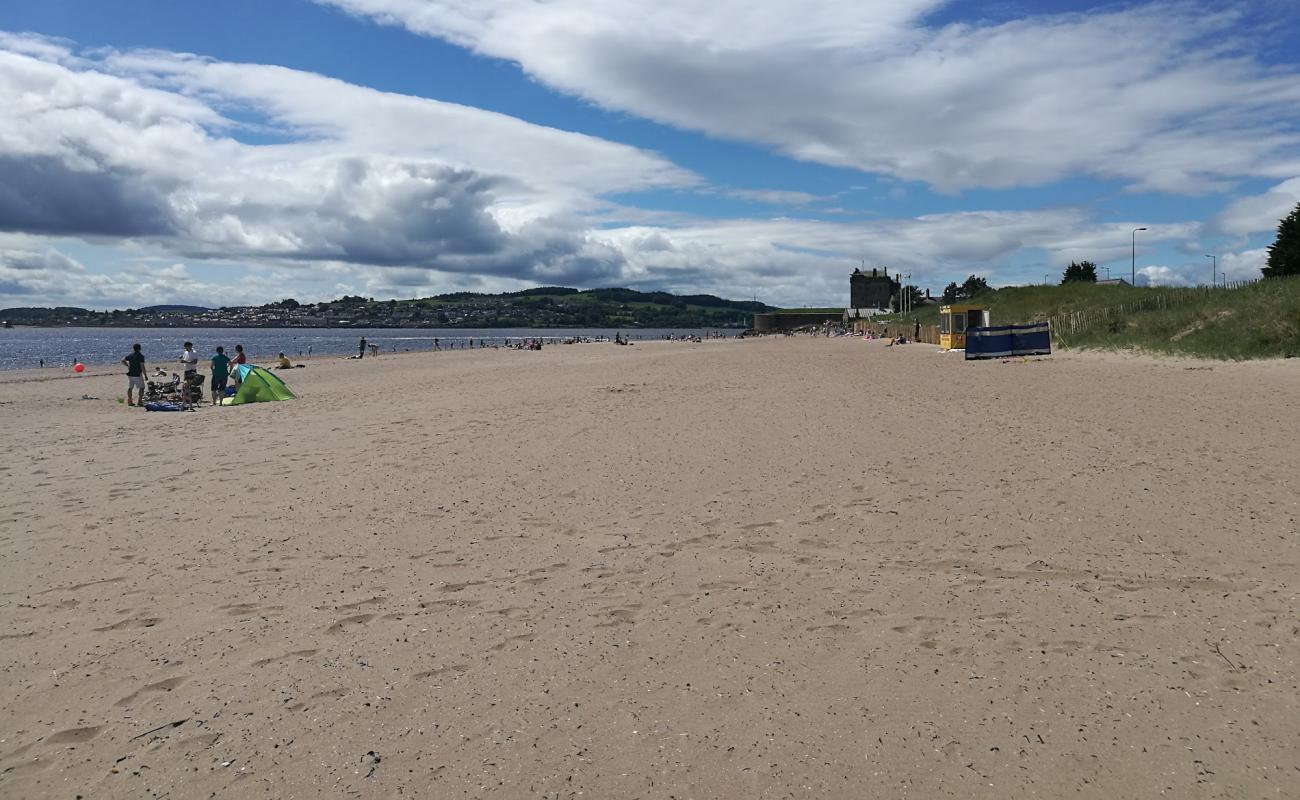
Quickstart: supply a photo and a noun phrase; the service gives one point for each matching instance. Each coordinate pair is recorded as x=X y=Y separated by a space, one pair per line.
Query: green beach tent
x=257 y=385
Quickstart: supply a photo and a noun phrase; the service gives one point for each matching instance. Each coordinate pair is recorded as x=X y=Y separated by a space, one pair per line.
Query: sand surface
x=762 y=569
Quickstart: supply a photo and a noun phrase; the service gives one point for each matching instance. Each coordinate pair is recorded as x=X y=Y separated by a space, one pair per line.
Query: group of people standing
x=222 y=367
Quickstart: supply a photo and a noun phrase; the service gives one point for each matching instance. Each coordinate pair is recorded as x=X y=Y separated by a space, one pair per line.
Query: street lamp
x=1133 y=272
x=1107 y=272
x=1224 y=275
x=1045 y=274
x=1214 y=270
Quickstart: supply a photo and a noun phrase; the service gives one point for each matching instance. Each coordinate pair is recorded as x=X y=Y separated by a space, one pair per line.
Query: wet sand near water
x=777 y=568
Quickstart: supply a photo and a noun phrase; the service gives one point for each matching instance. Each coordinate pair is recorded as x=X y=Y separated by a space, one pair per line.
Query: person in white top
x=190 y=358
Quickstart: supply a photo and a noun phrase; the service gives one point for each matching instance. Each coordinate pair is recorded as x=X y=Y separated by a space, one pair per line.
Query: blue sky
x=221 y=153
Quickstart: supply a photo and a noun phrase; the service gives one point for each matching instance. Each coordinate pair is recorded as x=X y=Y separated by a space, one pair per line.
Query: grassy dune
x=1260 y=320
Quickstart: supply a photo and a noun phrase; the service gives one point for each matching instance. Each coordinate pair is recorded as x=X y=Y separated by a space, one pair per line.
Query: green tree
x=1081 y=272
x=1284 y=254
x=951 y=292
x=974 y=287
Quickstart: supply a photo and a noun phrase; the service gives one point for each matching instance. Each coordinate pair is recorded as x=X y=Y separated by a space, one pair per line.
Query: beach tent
x=257 y=385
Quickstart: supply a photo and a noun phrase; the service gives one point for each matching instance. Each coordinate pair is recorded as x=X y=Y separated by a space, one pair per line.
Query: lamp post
x=1107 y=272
x=1045 y=274
x=1214 y=270
x=1224 y=275
x=1133 y=272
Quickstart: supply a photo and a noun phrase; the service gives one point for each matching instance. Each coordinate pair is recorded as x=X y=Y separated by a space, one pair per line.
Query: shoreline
x=106 y=370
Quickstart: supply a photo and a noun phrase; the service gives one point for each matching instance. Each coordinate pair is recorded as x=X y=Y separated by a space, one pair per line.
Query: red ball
x=78 y=367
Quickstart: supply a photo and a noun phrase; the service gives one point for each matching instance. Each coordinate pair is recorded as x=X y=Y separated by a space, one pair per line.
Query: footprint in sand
x=129 y=622
x=360 y=603
x=618 y=616
x=504 y=643
x=456 y=587
x=262 y=662
x=356 y=619
x=434 y=673
x=160 y=686
x=835 y=627
x=75 y=735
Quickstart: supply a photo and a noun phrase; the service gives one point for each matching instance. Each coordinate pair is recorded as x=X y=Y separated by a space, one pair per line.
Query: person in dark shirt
x=134 y=364
x=220 y=374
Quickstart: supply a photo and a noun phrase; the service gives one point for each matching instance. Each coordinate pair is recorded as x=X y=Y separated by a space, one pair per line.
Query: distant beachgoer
x=190 y=358
x=361 y=348
x=374 y=350
x=284 y=362
x=916 y=333
x=436 y=346
x=42 y=363
x=134 y=363
x=220 y=375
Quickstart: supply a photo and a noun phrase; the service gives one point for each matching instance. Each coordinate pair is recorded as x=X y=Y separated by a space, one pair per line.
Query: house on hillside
x=1113 y=282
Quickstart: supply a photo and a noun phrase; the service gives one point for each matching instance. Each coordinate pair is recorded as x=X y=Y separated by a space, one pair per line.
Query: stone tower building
x=870 y=291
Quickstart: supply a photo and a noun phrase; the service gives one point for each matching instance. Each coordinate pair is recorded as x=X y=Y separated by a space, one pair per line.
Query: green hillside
x=1258 y=320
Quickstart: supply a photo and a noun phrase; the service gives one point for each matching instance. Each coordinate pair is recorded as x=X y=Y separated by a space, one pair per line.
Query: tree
x=974 y=287
x=1081 y=272
x=1284 y=254
x=951 y=292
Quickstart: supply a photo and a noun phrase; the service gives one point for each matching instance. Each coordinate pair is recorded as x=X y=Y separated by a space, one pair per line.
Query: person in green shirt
x=220 y=374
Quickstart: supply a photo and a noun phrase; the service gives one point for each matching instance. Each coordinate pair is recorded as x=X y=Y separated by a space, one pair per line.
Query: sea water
x=24 y=348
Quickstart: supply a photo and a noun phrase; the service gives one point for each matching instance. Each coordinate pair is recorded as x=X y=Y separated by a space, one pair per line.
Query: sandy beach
x=761 y=569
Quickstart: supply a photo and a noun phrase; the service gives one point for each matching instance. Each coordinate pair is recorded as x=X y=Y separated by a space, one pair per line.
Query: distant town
x=546 y=307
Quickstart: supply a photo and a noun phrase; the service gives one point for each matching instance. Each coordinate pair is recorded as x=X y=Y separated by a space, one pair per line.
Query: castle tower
x=858 y=290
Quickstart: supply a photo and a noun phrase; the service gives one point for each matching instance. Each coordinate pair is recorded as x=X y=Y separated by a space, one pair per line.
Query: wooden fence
x=893 y=330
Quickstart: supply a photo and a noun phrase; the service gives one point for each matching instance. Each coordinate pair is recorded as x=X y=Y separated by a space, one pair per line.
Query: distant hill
x=174 y=309
x=542 y=307
x=24 y=314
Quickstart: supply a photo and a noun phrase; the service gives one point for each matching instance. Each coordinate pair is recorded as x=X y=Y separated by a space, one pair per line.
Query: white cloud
x=1236 y=266
x=140 y=146
x=1157 y=275
x=1161 y=95
x=775 y=197
x=365 y=192
x=1262 y=212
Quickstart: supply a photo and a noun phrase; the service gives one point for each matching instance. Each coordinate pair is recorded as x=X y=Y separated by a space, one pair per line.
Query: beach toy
x=78 y=367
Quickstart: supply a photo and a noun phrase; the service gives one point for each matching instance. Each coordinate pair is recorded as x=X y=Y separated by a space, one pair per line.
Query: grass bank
x=1258 y=320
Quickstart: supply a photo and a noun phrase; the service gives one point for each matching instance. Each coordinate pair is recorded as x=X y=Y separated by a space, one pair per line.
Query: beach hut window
x=943 y=324
x=958 y=323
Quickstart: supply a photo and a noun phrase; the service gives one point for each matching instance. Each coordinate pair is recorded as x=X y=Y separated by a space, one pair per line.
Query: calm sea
x=24 y=348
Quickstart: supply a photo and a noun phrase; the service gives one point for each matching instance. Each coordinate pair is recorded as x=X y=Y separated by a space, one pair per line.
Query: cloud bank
x=1163 y=96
